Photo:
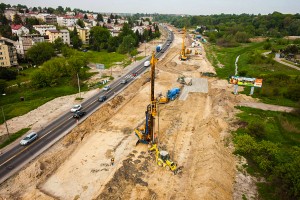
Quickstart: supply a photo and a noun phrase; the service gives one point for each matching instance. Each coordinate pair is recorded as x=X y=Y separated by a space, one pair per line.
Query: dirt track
x=195 y=132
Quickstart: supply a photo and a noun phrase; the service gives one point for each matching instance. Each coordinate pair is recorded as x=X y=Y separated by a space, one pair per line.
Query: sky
x=192 y=7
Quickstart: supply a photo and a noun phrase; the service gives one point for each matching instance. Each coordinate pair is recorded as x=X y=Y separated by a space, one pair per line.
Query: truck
x=147 y=63
x=170 y=96
x=159 y=48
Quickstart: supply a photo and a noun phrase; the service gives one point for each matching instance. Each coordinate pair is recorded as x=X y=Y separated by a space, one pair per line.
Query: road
x=15 y=158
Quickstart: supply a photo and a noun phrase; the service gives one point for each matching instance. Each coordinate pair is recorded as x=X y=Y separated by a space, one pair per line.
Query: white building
x=19 y=30
x=43 y=28
x=66 y=21
x=26 y=42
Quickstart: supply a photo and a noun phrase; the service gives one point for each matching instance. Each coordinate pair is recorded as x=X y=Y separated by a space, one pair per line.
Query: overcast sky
x=193 y=7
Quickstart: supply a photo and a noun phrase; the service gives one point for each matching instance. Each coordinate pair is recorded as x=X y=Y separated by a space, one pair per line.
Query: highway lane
x=15 y=158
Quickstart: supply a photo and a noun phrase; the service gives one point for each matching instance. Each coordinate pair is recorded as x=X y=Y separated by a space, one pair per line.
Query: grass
x=13 y=106
x=103 y=57
x=227 y=57
x=14 y=137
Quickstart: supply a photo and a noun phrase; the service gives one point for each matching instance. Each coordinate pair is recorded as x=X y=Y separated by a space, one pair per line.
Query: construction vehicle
x=183 y=51
x=162 y=159
x=185 y=81
x=145 y=133
x=171 y=96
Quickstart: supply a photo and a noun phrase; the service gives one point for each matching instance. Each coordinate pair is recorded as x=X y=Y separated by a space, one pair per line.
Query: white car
x=76 y=108
x=106 y=88
x=29 y=138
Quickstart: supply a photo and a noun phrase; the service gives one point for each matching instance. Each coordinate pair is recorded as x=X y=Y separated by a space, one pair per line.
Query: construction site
x=166 y=136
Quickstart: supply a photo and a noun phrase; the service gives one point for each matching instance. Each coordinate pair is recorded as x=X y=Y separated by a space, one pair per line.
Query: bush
x=293 y=93
x=243 y=73
x=256 y=129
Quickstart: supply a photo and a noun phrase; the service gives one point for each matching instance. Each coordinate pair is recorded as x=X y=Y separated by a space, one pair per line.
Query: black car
x=102 y=98
x=78 y=114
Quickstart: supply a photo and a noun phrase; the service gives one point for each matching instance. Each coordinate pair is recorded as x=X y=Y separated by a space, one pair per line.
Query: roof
x=53 y=31
x=16 y=27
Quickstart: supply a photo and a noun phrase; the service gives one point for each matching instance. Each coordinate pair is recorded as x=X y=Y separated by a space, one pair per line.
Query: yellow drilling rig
x=146 y=134
x=183 y=55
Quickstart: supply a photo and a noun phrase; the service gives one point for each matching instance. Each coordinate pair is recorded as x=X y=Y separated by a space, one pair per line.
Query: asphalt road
x=15 y=158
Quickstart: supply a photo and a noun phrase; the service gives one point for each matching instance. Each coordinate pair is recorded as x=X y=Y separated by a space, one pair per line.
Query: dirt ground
x=196 y=133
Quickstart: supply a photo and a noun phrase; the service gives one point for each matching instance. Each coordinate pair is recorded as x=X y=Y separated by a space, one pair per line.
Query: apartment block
x=8 y=53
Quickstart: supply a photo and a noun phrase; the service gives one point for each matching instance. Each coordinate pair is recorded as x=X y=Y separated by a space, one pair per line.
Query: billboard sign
x=245 y=81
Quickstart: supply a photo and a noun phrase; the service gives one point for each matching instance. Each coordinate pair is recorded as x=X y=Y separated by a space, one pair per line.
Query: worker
x=112 y=161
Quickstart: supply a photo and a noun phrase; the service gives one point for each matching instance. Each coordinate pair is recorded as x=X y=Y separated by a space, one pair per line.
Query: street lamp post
x=78 y=85
x=145 y=47
x=5 y=123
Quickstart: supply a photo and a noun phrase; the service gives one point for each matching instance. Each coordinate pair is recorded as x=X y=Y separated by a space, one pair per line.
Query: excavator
x=146 y=134
x=183 y=51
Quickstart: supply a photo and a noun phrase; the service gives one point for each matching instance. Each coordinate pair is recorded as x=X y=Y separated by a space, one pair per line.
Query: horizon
x=198 y=7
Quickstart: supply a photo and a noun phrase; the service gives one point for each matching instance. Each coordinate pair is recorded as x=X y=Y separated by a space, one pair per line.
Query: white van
x=147 y=63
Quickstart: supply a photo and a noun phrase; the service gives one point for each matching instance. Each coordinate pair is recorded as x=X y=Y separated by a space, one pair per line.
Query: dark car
x=79 y=114
x=134 y=74
x=102 y=98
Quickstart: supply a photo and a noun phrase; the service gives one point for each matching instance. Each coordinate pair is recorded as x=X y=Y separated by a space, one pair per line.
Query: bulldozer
x=185 y=81
x=162 y=159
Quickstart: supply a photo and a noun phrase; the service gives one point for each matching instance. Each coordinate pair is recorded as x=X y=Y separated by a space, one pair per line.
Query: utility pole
x=145 y=47
x=78 y=85
x=5 y=123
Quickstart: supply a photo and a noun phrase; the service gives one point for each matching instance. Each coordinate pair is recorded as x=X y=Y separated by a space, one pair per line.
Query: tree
x=241 y=37
x=7 y=74
x=80 y=23
x=17 y=19
x=99 y=37
x=127 y=45
x=40 y=52
x=3 y=85
x=85 y=16
x=58 y=44
x=99 y=18
x=111 y=16
x=108 y=20
x=113 y=44
x=60 y=10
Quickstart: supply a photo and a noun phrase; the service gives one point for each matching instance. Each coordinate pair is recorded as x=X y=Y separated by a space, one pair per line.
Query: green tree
x=99 y=37
x=80 y=23
x=3 y=85
x=127 y=45
x=40 y=52
x=113 y=44
x=241 y=37
x=17 y=19
x=58 y=44
x=85 y=16
x=99 y=18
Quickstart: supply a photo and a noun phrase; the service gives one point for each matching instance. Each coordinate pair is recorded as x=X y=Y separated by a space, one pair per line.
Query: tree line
x=230 y=29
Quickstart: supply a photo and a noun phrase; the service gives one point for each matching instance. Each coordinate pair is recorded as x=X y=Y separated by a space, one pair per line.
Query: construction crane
x=145 y=133
x=183 y=52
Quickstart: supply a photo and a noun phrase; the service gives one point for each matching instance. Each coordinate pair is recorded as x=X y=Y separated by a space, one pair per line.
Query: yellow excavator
x=145 y=133
x=162 y=159
x=183 y=51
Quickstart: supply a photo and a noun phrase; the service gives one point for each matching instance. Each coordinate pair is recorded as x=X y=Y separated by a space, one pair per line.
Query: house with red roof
x=19 y=29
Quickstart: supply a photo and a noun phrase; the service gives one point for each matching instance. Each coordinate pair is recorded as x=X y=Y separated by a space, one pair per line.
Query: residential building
x=26 y=42
x=9 y=13
x=8 y=53
x=51 y=19
x=67 y=21
x=84 y=35
x=19 y=30
x=43 y=28
x=54 y=34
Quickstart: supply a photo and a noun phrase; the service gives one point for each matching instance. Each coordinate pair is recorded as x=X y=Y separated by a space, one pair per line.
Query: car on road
x=29 y=138
x=134 y=74
x=168 y=44
x=79 y=114
x=76 y=108
x=106 y=88
x=102 y=98
x=124 y=81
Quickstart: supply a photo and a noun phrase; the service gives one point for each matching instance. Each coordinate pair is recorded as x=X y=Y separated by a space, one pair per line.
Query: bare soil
x=195 y=131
